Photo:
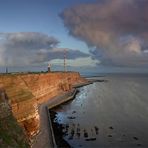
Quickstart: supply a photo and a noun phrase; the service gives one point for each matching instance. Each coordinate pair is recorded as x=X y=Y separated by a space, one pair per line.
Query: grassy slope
x=11 y=134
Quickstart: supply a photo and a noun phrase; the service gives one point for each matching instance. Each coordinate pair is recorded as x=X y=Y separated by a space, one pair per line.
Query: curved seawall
x=26 y=92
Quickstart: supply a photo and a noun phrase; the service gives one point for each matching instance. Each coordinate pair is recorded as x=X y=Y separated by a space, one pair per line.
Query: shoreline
x=44 y=138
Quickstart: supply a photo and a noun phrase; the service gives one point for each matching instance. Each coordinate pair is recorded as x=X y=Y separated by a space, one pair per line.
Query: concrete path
x=44 y=138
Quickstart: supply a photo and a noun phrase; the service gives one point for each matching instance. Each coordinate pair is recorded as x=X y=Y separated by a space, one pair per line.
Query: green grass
x=1 y=99
x=11 y=134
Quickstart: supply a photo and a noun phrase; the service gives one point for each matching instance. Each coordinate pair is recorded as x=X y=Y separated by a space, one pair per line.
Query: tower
x=6 y=70
x=64 y=60
x=49 y=67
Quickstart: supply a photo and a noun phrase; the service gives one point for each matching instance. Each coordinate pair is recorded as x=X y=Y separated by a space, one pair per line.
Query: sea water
x=113 y=113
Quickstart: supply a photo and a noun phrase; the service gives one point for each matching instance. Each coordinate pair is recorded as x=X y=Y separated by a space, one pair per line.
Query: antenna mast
x=65 y=60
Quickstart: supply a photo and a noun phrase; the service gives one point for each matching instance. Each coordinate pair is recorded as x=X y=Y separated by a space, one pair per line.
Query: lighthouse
x=49 y=67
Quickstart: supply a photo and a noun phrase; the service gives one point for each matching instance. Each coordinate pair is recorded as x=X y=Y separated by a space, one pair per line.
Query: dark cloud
x=29 y=40
x=70 y=54
x=22 y=48
x=31 y=48
x=116 y=28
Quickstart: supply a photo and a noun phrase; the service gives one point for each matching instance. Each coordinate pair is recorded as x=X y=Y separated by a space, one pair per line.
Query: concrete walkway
x=44 y=138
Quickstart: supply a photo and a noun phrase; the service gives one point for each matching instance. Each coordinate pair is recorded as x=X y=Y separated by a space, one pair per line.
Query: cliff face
x=11 y=134
x=25 y=92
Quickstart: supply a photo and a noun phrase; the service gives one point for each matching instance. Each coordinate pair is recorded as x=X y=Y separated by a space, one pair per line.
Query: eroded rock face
x=26 y=91
x=5 y=109
x=11 y=134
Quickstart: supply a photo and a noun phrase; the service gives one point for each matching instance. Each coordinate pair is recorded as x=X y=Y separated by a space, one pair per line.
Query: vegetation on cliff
x=11 y=134
x=20 y=96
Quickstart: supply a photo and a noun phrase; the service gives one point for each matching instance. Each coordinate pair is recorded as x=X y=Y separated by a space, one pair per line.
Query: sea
x=111 y=113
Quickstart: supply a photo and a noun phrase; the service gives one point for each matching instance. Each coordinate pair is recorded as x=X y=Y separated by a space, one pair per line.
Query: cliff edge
x=25 y=92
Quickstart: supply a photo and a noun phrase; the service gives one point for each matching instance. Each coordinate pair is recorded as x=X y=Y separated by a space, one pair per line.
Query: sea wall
x=25 y=92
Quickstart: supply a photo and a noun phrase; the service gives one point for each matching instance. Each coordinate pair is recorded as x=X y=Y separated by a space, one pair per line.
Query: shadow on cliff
x=11 y=134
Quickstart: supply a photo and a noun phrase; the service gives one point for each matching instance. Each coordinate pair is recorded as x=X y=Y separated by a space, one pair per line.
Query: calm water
x=108 y=114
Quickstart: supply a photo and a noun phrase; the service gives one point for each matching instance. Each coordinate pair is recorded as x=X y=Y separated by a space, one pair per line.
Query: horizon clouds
x=32 y=48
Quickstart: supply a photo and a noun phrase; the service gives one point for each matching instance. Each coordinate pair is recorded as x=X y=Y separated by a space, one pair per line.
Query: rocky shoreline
x=29 y=94
x=45 y=138
x=58 y=132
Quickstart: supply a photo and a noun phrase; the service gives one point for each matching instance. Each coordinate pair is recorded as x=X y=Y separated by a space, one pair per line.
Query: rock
x=110 y=136
x=111 y=128
x=90 y=139
x=27 y=91
x=135 y=138
x=1 y=141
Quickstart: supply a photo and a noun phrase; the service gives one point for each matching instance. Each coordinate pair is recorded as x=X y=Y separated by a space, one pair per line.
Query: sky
x=97 y=35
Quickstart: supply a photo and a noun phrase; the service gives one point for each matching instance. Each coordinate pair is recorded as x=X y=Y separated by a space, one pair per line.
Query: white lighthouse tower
x=49 y=67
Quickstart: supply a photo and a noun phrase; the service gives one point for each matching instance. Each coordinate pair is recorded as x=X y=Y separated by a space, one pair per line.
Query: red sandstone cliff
x=26 y=91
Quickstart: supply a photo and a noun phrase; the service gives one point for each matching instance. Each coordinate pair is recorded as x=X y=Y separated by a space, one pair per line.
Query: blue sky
x=38 y=16
x=110 y=35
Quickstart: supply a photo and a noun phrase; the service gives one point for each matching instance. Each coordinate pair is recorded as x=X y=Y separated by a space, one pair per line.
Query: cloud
x=28 y=40
x=22 y=48
x=58 y=53
x=79 y=62
x=31 y=48
x=115 y=29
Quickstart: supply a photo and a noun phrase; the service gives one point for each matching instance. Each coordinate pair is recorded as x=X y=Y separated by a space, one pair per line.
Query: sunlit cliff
x=25 y=92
